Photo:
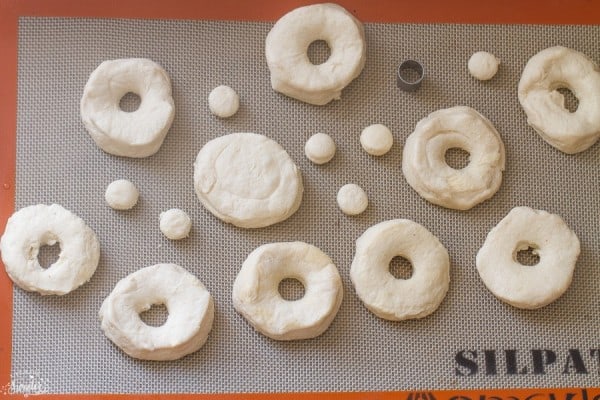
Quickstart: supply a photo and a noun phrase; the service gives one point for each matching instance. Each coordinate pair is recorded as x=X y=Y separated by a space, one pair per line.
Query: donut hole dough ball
x=319 y=148
x=287 y=44
x=528 y=286
x=545 y=73
x=247 y=180
x=424 y=158
x=483 y=65
x=352 y=199
x=139 y=133
x=121 y=194
x=388 y=297
x=188 y=303
x=223 y=101
x=256 y=293
x=376 y=139
x=175 y=224
x=41 y=225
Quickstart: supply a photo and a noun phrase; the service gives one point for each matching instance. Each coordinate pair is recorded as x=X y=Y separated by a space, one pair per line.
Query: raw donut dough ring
x=426 y=170
x=551 y=69
x=131 y=134
x=247 y=180
x=257 y=298
x=398 y=299
x=190 y=307
x=287 y=43
x=32 y=227
x=525 y=286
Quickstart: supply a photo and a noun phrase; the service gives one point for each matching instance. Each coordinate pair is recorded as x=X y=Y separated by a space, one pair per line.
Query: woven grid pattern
x=58 y=341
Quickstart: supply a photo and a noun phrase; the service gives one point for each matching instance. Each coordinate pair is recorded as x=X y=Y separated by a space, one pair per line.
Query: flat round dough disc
x=248 y=180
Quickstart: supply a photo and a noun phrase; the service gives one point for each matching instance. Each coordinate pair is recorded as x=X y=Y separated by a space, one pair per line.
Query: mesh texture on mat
x=57 y=341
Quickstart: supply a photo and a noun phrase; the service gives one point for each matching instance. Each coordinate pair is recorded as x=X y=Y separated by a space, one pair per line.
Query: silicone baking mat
x=470 y=342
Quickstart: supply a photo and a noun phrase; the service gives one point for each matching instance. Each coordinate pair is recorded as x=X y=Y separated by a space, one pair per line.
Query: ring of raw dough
x=32 y=227
x=248 y=180
x=551 y=69
x=398 y=299
x=132 y=134
x=257 y=298
x=190 y=307
x=528 y=286
x=292 y=72
x=426 y=170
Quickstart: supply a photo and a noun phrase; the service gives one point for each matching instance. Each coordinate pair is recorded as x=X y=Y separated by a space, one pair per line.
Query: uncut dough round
x=292 y=72
x=190 y=307
x=131 y=134
x=425 y=167
x=223 y=101
x=376 y=139
x=352 y=199
x=32 y=227
x=248 y=180
x=526 y=286
x=257 y=298
x=175 y=224
x=121 y=195
x=483 y=65
x=399 y=299
x=551 y=69
x=319 y=148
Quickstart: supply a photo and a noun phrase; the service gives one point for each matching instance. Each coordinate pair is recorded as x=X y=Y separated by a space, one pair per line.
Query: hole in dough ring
x=256 y=290
x=425 y=167
x=132 y=134
x=247 y=180
x=551 y=69
x=525 y=286
x=287 y=44
x=399 y=299
x=32 y=227
x=190 y=307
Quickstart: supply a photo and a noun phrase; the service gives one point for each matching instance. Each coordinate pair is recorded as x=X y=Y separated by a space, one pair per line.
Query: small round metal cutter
x=404 y=83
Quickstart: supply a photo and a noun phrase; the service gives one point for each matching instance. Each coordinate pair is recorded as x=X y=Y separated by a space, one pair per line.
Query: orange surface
x=419 y=11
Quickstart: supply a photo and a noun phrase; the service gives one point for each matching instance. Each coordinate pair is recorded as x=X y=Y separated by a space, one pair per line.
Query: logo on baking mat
x=421 y=396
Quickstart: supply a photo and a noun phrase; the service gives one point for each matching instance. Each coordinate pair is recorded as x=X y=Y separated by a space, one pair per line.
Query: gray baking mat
x=57 y=341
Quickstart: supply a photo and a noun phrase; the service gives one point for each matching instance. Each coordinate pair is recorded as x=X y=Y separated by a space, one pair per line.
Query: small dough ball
x=319 y=148
x=223 y=101
x=175 y=224
x=352 y=199
x=483 y=65
x=376 y=139
x=121 y=195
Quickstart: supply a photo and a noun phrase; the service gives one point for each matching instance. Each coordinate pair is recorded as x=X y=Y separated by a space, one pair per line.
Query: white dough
x=376 y=139
x=319 y=148
x=483 y=65
x=131 y=134
x=248 y=180
x=257 y=298
x=223 y=101
x=351 y=199
x=398 y=299
x=526 y=286
x=32 y=227
x=190 y=307
x=121 y=194
x=175 y=224
x=424 y=164
x=551 y=69
x=287 y=43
